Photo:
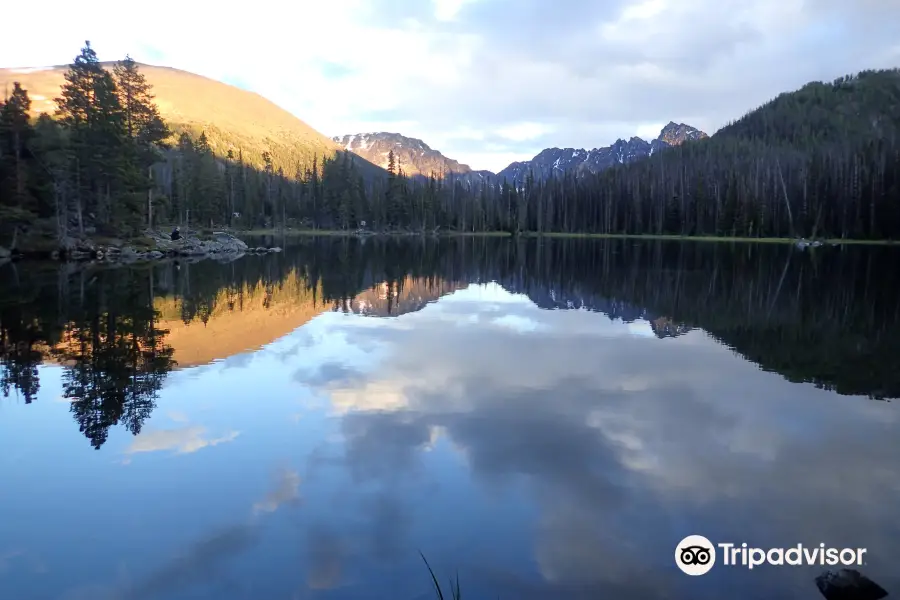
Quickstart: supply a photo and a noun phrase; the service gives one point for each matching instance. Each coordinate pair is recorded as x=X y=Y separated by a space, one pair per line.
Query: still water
x=544 y=419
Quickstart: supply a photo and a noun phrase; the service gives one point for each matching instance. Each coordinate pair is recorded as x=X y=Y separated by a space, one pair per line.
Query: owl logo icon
x=695 y=555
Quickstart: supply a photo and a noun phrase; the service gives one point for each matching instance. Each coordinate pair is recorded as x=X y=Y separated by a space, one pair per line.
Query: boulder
x=848 y=584
x=225 y=242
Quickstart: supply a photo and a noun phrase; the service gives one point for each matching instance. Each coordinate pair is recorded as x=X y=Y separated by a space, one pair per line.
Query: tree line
x=823 y=161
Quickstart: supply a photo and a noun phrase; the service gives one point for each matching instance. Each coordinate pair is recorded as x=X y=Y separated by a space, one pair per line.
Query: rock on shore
x=155 y=246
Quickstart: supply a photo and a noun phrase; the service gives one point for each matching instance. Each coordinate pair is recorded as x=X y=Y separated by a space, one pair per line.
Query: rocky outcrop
x=153 y=246
x=221 y=242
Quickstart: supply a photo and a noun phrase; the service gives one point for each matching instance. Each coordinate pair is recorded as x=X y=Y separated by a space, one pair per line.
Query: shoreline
x=287 y=233
x=157 y=245
x=151 y=246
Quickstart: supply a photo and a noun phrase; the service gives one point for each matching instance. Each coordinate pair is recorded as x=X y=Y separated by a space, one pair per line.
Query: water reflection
x=548 y=418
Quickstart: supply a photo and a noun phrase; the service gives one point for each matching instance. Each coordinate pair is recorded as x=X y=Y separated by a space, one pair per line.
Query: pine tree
x=90 y=110
x=143 y=124
x=16 y=134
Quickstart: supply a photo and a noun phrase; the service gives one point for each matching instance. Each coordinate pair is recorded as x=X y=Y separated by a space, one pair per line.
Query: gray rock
x=228 y=243
x=848 y=584
x=4 y=253
x=155 y=255
x=275 y=249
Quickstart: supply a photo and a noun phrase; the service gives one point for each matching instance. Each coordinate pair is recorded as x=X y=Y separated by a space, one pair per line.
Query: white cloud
x=522 y=132
x=447 y=10
x=581 y=75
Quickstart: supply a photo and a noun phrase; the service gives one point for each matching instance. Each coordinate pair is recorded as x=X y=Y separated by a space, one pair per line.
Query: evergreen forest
x=820 y=162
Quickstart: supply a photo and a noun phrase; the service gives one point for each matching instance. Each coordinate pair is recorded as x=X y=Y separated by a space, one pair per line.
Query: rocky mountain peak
x=414 y=157
x=559 y=160
x=675 y=134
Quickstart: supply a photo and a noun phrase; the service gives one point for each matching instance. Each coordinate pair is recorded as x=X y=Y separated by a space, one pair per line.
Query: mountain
x=562 y=160
x=675 y=134
x=231 y=117
x=414 y=157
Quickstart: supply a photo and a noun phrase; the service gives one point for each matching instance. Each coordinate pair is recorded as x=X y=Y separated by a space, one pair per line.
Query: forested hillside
x=823 y=161
x=101 y=158
x=232 y=118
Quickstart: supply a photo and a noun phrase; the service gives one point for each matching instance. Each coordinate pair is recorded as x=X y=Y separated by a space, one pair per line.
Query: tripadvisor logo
x=696 y=555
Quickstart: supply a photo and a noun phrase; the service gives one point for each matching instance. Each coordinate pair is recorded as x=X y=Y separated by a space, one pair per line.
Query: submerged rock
x=848 y=584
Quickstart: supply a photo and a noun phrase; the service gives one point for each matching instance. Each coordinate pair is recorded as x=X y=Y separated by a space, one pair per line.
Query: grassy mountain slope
x=231 y=117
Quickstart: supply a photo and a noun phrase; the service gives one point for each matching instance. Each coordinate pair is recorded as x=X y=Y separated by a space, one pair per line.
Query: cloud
x=184 y=440
x=522 y=132
x=583 y=72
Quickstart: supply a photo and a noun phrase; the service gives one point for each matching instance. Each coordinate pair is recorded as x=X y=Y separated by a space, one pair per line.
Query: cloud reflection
x=286 y=491
x=183 y=440
x=627 y=443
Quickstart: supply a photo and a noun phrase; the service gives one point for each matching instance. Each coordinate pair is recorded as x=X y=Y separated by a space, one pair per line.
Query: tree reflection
x=830 y=317
x=114 y=355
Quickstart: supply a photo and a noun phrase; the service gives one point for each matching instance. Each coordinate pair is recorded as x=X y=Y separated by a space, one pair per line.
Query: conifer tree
x=16 y=134
x=89 y=108
x=143 y=123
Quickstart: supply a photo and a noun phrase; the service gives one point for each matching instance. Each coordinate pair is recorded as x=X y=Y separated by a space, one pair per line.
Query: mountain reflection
x=829 y=318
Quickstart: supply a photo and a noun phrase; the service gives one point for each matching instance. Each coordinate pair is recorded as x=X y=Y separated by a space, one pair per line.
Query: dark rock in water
x=848 y=584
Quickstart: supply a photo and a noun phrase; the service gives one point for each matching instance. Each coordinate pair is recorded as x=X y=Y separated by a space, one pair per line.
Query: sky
x=484 y=81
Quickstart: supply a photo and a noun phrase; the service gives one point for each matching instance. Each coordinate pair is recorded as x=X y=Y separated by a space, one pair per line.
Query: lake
x=544 y=418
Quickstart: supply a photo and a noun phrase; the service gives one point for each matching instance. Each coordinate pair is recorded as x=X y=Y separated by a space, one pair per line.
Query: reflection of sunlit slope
x=394 y=299
x=251 y=317
x=239 y=319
